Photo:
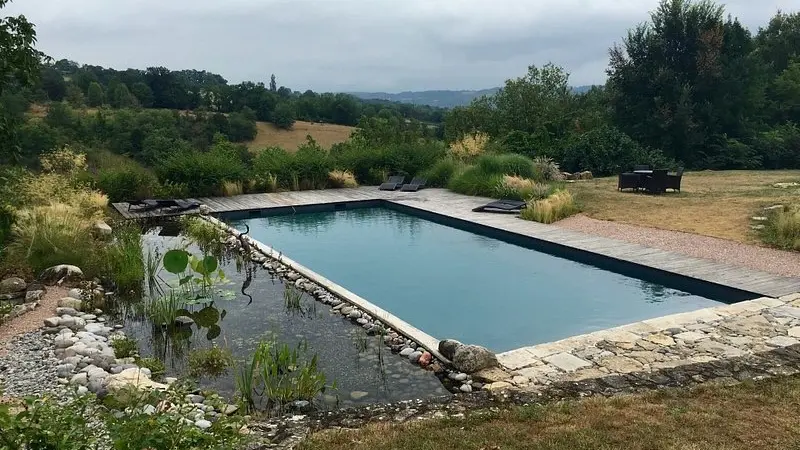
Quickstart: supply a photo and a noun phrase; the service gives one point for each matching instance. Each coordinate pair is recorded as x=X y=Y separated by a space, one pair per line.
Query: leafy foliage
x=210 y=362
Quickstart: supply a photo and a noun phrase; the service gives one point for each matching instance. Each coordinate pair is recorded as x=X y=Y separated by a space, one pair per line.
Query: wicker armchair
x=628 y=181
x=657 y=183
x=674 y=181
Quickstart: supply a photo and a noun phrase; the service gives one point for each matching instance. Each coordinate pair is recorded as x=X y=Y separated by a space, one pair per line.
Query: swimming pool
x=453 y=283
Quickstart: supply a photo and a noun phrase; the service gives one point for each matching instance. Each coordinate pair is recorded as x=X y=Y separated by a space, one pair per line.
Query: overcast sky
x=352 y=45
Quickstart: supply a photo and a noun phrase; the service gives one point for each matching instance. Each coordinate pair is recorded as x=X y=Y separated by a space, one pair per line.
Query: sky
x=352 y=45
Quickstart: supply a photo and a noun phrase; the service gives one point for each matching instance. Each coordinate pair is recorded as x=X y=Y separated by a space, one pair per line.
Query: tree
x=119 y=97
x=53 y=84
x=241 y=128
x=283 y=116
x=74 y=96
x=169 y=90
x=143 y=94
x=95 y=96
x=273 y=84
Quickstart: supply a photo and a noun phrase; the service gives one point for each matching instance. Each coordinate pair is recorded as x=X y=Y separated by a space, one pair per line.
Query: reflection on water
x=251 y=306
x=455 y=284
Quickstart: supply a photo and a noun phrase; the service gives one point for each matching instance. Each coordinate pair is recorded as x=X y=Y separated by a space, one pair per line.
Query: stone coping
x=430 y=343
x=706 y=335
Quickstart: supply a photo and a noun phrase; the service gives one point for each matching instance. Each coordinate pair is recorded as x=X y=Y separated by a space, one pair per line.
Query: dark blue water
x=456 y=284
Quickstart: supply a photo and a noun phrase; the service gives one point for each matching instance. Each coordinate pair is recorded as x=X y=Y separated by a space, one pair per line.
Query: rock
x=425 y=359
x=130 y=378
x=66 y=311
x=149 y=410
x=51 y=322
x=457 y=376
x=69 y=302
x=170 y=380
x=472 y=358
x=64 y=341
x=491 y=375
x=346 y=310
x=354 y=314
x=406 y=351
x=448 y=348
x=203 y=424
x=12 y=285
x=82 y=390
x=498 y=386
x=65 y=370
x=183 y=321
x=75 y=293
x=229 y=409
x=102 y=229
x=34 y=296
x=194 y=398
x=79 y=379
x=205 y=210
x=60 y=274
x=585 y=175
x=465 y=388
x=414 y=356
x=782 y=341
x=358 y=395
x=301 y=404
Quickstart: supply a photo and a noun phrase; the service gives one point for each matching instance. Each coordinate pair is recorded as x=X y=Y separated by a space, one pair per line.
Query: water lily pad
x=213 y=332
x=206 y=317
x=176 y=261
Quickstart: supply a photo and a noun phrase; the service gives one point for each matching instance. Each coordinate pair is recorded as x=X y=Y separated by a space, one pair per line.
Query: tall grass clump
x=782 y=228
x=475 y=181
x=124 y=258
x=551 y=209
x=507 y=164
x=209 y=362
x=440 y=174
x=203 y=233
x=546 y=169
x=514 y=188
x=231 y=188
x=342 y=179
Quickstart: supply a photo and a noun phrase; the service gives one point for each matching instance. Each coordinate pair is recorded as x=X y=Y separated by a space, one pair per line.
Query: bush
x=508 y=164
x=342 y=179
x=283 y=116
x=202 y=172
x=440 y=174
x=272 y=168
x=308 y=168
x=557 y=206
x=469 y=147
x=782 y=228
x=371 y=164
x=547 y=169
x=156 y=366
x=48 y=424
x=475 y=181
x=124 y=347
x=210 y=362
x=127 y=184
x=608 y=151
x=241 y=128
x=516 y=188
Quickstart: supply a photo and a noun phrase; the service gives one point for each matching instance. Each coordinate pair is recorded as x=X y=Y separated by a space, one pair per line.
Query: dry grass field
x=324 y=133
x=718 y=204
x=750 y=416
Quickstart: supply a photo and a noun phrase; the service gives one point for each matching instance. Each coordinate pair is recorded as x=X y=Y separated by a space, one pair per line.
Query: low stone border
x=400 y=336
x=706 y=335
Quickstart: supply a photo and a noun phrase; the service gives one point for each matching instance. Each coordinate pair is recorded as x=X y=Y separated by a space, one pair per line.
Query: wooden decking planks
x=452 y=205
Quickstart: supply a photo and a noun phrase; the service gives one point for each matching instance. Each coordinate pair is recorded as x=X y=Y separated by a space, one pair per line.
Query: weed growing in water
x=211 y=362
x=124 y=347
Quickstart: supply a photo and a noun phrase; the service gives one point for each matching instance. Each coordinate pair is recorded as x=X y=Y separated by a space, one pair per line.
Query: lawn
x=749 y=416
x=718 y=204
x=324 y=133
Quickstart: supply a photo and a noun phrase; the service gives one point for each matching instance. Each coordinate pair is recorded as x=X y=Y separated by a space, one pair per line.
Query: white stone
x=75 y=293
x=203 y=424
x=79 y=379
x=794 y=332
x=406 y=351
x=691 y=336
x=782 y=341
x=51 y=322
x=567 y=362
x=660 y=339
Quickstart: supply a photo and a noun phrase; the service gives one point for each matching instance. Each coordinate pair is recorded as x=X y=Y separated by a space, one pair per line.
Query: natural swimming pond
x=457 y=284
x=247 y=312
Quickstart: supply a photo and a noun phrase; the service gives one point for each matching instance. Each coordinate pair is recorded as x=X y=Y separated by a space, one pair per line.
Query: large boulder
x=13 y=285
x=60 y=274
x=124 y=384
x=448 y=347
x=69 y=302
x=472 y=358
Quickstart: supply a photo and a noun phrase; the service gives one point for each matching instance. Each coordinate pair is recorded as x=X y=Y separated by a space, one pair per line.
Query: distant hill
x=442 y=99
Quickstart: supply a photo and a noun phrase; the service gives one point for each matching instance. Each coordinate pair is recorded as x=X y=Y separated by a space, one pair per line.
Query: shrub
x=310 y=166
x=469 y=147
x=127 y=184
x=608 y=151
x=551 y=209
x=342 y=179
x=371 y=164
x=63 y=161
x=211 y=362
x=202 y=172
x=49 y=424
x=231 y=188
x=44 y=236
x=241 y=128
x=156 y=366
x=547 y=169
x=514 y=188
x=124 y=347
x=782 y=228
x=283 y=116
x=440 y=174
x=475 y=181
x=508 y=164
x=272 y=168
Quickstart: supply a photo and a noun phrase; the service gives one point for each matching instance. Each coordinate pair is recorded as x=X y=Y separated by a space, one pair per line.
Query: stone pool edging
x=324 y=290
x=707 y=335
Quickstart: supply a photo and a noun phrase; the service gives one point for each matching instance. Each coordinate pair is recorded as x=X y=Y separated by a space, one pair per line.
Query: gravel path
x=770 y=260
x=33 y=320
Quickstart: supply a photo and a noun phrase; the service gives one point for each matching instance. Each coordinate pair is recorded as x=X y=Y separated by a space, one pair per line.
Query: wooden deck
x=457 y=206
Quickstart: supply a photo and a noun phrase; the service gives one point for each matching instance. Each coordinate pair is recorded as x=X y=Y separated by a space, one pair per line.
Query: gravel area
x=770 y=260
x=29 y=367
x=33 y=320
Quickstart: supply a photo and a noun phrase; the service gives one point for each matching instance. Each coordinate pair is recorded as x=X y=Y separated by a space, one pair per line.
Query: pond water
x=353 y=360
x=456 y=284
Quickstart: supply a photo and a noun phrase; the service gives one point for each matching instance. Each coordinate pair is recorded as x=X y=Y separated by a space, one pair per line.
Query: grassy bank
x=718 y=204
x=749 y=416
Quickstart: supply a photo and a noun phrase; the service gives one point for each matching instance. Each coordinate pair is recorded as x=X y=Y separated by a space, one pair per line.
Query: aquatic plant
x=124 y=258
x=162 y=311
x=211 y=362
x=206 y=235
x=124 y=347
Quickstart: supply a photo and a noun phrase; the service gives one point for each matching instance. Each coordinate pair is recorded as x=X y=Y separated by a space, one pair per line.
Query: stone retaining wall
x=704 y=336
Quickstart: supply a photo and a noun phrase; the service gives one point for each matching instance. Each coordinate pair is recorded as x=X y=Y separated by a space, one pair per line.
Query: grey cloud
x=351 y=44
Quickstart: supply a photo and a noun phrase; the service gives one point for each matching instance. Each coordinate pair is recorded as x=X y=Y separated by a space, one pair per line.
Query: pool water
x=456 y=284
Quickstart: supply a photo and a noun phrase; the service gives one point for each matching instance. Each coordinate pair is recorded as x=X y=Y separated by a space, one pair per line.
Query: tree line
x=690 y=87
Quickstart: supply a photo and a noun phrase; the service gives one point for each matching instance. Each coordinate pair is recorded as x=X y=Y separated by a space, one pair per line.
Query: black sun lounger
x=393 y=183
x=416 y=184
x=502 y=206
x=171 y=205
